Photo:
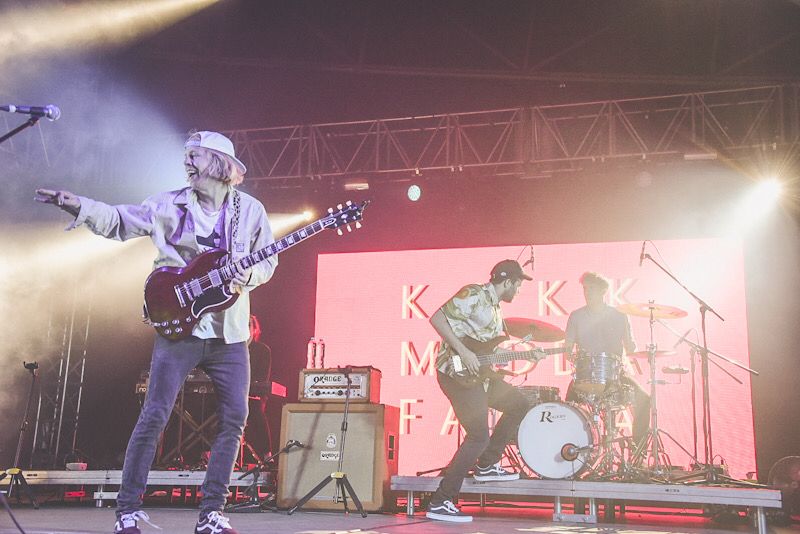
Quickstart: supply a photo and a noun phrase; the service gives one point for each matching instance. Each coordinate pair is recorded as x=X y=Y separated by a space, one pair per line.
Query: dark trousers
x=471 y=406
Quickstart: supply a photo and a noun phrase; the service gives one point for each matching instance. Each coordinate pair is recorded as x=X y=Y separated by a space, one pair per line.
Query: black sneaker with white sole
x=447 y=511
x=493 y=473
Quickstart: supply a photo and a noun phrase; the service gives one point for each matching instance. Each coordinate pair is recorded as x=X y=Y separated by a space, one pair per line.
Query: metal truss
x=60 y=394
x=531 y=141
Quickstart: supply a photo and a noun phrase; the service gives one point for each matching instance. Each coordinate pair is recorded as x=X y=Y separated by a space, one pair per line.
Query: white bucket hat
x=216 y=142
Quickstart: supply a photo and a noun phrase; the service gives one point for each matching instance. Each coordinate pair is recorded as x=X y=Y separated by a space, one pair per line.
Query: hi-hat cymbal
x=645 y=354
x=540 y=330
x=660 y=311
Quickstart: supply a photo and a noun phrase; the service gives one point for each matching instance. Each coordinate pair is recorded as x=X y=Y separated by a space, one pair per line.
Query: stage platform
x=89 y=520
x=100 y=479
x=616 y=494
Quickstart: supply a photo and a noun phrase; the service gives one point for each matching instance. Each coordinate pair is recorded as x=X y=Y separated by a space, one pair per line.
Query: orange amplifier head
x=330 y=384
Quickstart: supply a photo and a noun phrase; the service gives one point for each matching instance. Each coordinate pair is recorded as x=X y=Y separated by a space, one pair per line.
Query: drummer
x=598 y=327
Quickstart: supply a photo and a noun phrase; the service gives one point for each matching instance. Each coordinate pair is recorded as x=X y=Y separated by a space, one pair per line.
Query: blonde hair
x=594 y=280
x=222 y=167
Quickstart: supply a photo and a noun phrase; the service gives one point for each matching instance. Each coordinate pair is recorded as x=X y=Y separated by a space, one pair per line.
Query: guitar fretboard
x=506 y=356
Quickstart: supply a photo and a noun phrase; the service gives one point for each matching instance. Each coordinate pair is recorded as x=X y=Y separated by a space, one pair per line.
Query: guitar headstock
x=346 y=215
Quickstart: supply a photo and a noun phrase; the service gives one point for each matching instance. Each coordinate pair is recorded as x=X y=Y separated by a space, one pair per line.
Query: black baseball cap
x=508 y=270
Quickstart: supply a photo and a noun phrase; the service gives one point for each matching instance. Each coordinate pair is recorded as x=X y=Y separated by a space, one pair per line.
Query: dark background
x=248 y=64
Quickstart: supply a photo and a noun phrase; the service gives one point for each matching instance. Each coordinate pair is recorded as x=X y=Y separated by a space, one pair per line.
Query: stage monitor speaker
x=370 y=453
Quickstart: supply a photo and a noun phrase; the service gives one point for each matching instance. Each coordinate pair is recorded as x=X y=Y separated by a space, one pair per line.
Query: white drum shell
x=546 y=429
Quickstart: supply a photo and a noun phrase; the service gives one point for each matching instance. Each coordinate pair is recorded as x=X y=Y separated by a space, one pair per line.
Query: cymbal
x=540 y=330
x=645 y=354
x=660 y=311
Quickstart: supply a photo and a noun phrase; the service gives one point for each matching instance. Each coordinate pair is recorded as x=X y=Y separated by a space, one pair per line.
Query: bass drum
x=544 y=433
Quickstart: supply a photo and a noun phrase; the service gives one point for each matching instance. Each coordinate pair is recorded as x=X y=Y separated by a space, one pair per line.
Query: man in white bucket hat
x=210 y=213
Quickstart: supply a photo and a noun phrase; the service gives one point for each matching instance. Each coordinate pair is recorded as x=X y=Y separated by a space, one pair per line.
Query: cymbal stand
x=650 y=451
x=709 y=473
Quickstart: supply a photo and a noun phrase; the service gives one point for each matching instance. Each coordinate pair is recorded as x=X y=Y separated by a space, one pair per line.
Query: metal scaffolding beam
x=733 y=124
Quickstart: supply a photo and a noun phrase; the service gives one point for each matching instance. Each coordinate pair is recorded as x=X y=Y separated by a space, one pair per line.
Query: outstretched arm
x=65 y=200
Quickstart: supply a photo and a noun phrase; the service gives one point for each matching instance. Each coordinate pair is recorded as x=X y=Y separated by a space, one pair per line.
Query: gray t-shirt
x=607 y=330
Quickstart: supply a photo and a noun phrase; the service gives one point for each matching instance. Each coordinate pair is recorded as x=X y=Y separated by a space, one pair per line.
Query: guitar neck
x=227 y=271
x=506 y=356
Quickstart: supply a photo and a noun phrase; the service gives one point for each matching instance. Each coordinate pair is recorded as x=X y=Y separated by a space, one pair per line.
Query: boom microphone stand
x=342 y=484
x=709 y=473
x=254 y=503
x=17 y=478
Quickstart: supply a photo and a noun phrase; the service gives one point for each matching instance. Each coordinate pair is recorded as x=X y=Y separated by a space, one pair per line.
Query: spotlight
x=48 y=27
x=414 y=192
x=768 y=191
x=284 y=223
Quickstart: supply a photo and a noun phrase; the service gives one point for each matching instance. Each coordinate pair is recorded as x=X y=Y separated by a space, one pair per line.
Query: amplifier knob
x=176 y=321
x=178 y=330
x=167 y=331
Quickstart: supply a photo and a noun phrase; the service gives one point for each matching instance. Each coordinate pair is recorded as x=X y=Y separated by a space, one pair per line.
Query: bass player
x=473 y=314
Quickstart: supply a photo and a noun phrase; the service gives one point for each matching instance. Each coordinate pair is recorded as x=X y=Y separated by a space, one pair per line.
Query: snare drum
x=594 y=371
x=546 y=430
x=539 y=394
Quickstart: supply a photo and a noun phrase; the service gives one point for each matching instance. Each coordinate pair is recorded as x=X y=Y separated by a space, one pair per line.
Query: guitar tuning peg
x=348 y=203
x=349 y=229
x=358 y=224
x=330 y=210
x=339 y=231
x=338 y=206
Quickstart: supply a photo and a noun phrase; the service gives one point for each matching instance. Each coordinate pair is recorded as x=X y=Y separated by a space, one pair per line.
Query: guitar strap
x=234 y=222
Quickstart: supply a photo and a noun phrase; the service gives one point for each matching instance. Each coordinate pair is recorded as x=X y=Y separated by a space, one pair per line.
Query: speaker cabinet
x=370 y=453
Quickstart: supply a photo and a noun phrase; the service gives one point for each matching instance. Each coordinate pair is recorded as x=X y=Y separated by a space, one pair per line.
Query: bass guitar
x=488 y=355
x=176 y=297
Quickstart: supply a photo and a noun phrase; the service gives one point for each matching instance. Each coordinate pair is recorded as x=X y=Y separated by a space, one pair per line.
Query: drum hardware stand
x=339 y=476
x=652 y=447
x=611 y=457
x=17 y=477
x=709 y=473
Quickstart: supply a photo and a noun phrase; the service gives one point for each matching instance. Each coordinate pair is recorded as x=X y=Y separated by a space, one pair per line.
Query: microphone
x=49 y=112
x=683 y=337
x=295 y=443
x=530 y=261
x=570 y=451
x=641 y=254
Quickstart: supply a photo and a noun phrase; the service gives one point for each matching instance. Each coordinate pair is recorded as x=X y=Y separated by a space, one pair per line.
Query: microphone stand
x=30 y=122
x=708 y=472
x=253 y=503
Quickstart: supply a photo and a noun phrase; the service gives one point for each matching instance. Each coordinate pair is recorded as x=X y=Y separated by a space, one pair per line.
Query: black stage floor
x=69 y=519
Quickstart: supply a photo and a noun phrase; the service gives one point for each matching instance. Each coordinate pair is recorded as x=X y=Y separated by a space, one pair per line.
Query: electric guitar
x=176 y=297
x=488 y=354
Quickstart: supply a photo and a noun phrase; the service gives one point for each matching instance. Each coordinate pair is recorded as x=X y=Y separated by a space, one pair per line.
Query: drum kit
x=560 y=439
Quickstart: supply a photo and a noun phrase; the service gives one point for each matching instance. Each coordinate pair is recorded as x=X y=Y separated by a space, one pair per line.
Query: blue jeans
x=228 y=366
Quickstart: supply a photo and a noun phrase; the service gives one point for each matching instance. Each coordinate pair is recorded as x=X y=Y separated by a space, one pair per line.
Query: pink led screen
x=373 y=309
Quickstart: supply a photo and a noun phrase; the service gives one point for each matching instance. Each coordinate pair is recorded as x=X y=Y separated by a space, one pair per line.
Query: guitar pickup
x=179 y=295
x=458 y=367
